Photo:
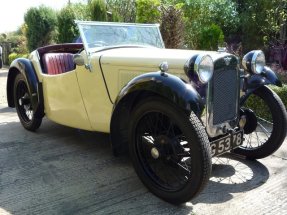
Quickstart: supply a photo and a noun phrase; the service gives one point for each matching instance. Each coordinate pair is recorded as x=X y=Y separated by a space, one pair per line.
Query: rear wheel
x=169 y=149
x=266 y=125
x=23 y=104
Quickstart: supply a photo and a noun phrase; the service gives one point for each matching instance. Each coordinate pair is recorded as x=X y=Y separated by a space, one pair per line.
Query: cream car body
x=73 y=100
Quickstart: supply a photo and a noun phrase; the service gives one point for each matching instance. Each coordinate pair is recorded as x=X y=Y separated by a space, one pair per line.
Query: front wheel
x=266 y=124
x=169 y=149
x=23 y=104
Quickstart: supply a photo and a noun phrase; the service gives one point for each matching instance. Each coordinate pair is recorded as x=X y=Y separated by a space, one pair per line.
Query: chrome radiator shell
x=222 y=98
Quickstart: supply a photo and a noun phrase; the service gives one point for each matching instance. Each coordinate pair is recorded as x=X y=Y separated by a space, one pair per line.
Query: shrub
x=283 y=76
x=211 y=37
x=14 y=56
x=282 y=93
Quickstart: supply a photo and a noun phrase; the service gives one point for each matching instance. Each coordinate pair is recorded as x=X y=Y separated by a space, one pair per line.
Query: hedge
x=282 y=93
x=14 y=56
x=260 y=108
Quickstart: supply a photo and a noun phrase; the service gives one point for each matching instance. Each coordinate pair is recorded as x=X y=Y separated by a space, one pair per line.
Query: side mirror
x=79 y=60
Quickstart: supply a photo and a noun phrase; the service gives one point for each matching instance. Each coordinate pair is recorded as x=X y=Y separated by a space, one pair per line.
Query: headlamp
x=254 y=62
x=204 y=67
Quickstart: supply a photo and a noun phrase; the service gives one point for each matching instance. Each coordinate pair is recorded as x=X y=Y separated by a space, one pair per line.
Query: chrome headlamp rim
x=254 y=61
x=199 y=59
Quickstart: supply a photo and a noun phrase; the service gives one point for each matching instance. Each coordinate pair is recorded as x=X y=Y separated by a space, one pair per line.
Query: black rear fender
x=166 y=86
x=26 y=68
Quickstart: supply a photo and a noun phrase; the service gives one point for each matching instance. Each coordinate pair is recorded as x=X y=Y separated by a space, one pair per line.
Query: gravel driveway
x=60 y=170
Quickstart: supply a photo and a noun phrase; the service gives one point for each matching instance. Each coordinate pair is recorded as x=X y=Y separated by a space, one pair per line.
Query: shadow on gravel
x=232 y=174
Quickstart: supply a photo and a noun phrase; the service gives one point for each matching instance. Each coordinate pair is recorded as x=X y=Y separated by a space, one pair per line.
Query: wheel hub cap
x=24 y=100
x=155 y=153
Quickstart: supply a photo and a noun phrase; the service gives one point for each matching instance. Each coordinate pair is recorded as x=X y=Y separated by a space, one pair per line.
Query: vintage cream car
x=173 y=110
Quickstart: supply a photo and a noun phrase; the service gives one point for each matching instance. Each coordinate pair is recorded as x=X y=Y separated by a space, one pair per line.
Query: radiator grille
x=225 y=95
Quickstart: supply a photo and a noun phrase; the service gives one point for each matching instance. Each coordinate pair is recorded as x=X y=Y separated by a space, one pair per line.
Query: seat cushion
x=57 y=63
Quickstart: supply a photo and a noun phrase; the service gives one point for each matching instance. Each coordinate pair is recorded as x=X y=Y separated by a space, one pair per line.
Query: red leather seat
x=57 y=63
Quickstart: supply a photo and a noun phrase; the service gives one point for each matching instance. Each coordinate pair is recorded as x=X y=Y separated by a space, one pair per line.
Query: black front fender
x=267 y=77
x=167 y=86
x=26 y=68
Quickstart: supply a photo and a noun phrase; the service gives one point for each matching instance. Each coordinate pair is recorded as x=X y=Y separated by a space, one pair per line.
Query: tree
x=201 y=14
x=98 y=10
x=41 y=23
x=67 y=28
x=147 y=11
x=261 y=22
x=126 y=9
x=172 y=26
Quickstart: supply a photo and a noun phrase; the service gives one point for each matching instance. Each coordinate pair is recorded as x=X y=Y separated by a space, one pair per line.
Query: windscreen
x=96 y=36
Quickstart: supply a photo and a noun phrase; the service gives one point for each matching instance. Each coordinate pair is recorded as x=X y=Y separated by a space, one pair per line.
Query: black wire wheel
x=169 y=149
x=266 y=125
x=23 y=104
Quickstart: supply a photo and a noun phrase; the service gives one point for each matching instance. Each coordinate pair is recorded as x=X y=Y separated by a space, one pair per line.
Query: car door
x=63 y=100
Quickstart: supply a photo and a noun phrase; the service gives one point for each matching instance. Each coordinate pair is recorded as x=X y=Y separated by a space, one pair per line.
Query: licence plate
x=226 y=143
